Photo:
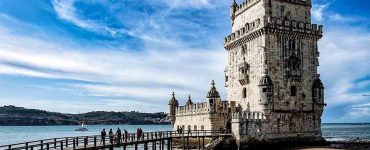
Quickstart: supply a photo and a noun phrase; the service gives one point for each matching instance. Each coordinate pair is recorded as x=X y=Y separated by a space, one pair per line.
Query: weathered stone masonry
x=273 y=90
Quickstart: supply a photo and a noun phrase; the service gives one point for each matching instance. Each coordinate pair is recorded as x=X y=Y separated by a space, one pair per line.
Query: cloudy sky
x=82 y=55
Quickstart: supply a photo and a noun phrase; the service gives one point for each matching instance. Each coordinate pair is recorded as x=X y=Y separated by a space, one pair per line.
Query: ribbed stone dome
x=213 y=91
x=318 y=84
x=173 y=100
x=265 y=80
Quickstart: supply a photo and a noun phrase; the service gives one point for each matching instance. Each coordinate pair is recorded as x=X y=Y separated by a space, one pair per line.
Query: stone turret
x=213 y=98
x=318 y=95
x=266 y=91
x=172 y=105
x=233 y=9
x=189 y=102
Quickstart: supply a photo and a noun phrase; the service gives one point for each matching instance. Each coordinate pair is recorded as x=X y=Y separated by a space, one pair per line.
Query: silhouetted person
x=119 y=135
x=141 y=134
x=102 y=135
x=111 y=135
x=126 y=134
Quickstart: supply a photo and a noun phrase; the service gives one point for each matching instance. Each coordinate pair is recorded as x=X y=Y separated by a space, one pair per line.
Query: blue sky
x=122 y=55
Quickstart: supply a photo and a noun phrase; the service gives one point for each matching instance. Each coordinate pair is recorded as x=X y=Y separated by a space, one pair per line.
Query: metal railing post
x=42 y=144
x=47 y=146
x=94 y=141
x=61 y=145
x=27 y=146
x=55 y=143
x=74 y=143
x=66 y=142
x=85 y=142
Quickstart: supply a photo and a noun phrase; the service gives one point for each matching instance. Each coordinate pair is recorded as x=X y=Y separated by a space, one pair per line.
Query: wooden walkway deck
x=159 y=139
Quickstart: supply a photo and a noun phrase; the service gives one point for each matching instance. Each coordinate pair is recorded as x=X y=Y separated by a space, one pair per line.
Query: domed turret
x=173 y=100
x=189 y=102
x=265 y=80
x=317 y=90
x=213 y=93
x=233 y=9
x=266 y=90
x=318 y=84
x=172 y=105
x=214 y=98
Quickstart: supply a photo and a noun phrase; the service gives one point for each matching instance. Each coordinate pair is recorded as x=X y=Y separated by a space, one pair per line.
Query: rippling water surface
x=17 y=134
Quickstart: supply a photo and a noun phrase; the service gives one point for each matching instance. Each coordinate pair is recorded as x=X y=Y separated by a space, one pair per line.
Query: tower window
x=243 y=50
x=264 y=90
x=282 y=9
x=293 y=91
x=244 y=93
x=227 y=78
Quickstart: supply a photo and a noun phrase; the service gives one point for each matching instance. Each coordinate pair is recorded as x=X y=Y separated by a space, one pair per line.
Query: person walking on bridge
x=126 y=134
x=119 y=135
x=111 y=135
x=189 y=130
x=102 y=136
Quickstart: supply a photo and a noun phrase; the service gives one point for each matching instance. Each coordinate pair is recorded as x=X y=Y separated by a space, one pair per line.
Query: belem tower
x=274 y=93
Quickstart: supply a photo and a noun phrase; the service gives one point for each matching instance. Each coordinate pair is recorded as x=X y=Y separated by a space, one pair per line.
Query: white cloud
x=147 y=76
x=65 y=10
x=188 y=3
x=318 y=11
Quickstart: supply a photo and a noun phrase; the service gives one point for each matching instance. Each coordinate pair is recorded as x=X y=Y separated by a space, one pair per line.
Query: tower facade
x=271 y=72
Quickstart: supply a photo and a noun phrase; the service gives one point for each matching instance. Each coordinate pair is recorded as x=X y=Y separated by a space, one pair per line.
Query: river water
x=18 y=134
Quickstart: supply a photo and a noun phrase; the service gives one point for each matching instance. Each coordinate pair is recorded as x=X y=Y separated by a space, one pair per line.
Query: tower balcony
x=243 y=78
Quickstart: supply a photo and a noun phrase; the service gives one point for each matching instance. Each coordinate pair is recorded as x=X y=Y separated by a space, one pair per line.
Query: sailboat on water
x=83 y=127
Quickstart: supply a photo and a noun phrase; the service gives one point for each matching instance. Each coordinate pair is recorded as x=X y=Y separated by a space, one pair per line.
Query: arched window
x=243 y=50
x=244 y=93
x=293 y=91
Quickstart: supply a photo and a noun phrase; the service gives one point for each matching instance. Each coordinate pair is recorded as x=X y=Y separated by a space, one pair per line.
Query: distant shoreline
x=19 y=116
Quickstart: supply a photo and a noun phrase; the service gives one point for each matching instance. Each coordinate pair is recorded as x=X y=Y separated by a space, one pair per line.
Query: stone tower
x=172 y=106
x=271 y=71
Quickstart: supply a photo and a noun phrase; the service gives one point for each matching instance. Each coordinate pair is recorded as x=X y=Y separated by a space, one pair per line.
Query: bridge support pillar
x=183 y=143
x=135 y=146
x=145 y=146
x=169 y=144
x=198 y=143
x=203 y=144
x=163 y=143
x=124 y=146
x=187 y=143
x=154 y=145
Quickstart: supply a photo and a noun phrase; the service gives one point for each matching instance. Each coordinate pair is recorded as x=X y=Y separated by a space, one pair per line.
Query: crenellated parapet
x=273 y=26
x=192 y=109
x=298 y=2
x=245 y=5
x=249 y=116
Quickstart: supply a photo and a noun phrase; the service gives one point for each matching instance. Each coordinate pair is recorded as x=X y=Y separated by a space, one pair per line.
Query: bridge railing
x=115 y=140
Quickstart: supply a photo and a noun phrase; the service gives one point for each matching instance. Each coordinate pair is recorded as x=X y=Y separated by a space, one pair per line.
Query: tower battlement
x=274 y=25
x=249 y=116
x=192 y=109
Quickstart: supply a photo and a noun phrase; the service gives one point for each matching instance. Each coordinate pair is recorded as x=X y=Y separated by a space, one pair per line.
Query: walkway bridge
x=156 y=140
